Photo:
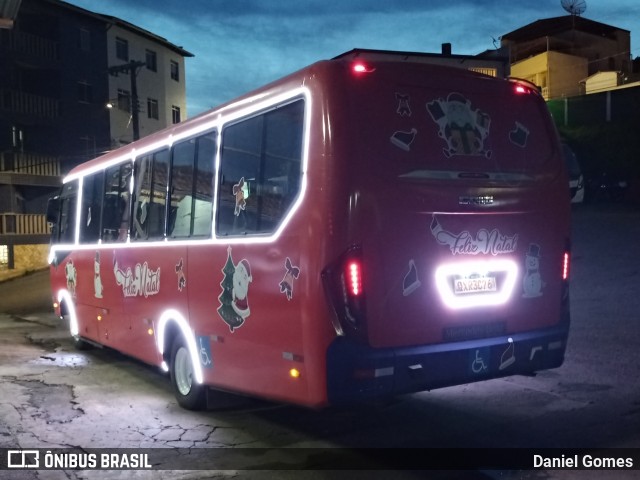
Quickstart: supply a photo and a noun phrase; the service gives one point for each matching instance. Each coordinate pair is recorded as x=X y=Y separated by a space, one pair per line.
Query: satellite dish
x=574 y=7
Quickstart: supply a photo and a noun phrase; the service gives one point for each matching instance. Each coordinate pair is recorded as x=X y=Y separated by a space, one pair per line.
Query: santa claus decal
x=462 y=127
x=234 y=299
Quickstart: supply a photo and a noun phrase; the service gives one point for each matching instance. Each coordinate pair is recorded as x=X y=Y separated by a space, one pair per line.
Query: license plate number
x=463 y=286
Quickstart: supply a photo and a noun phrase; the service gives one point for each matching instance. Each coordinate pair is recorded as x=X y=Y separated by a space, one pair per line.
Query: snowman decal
x=97 y=281
x=532 y=283
x=71 y=276
x=234 y=302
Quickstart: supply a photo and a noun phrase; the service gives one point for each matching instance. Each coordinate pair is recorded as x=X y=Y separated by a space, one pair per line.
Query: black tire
x=80 y=344
x=188 y=392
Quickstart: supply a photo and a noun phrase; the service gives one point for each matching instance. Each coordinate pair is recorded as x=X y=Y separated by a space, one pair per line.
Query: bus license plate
x=462 y=286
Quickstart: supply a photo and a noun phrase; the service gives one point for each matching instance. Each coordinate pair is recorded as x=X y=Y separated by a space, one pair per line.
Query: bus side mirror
x=53 y=210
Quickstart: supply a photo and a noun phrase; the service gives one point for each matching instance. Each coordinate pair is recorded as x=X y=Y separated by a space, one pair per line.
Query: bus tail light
x=345 y=286
x=353 y=278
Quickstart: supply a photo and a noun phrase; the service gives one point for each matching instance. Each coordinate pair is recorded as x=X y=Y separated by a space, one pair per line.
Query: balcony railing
x=23 y=224
x=29 y=104
x=28 y=44
x=30 y=164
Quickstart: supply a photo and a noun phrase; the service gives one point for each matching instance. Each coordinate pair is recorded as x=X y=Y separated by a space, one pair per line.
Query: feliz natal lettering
x=145 y=281
x=464 y=243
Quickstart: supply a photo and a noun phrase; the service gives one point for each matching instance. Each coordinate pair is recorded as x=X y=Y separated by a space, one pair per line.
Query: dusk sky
x=240 y=45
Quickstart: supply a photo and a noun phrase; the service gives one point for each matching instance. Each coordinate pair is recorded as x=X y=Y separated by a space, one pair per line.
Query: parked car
x=576 y=179
x=607 y=186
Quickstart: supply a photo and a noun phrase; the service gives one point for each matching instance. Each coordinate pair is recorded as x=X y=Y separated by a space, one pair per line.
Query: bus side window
x=203 y=185
x=158 y=205
x=141 y=192
x=181 y=193
x=150 y=192
x=115 y=218
x=92 y=194
x=260 y=171
x=68 y=205
x=192 y=187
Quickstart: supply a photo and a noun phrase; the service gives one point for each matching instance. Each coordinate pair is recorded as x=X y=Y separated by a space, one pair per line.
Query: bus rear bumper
x=357 y=372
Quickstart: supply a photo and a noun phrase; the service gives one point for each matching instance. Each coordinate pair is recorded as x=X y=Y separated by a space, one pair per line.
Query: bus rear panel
x=455 y=257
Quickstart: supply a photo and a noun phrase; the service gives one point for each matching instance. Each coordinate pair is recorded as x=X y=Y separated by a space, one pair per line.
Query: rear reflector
x=565 y=266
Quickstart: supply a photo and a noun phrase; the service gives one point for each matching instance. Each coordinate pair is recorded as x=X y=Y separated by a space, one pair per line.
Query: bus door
x=104 y=217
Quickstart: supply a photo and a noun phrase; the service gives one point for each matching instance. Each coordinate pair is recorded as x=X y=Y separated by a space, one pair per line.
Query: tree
x=226 y=311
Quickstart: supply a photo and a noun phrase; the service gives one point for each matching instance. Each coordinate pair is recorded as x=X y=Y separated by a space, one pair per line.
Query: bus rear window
x=441 y=126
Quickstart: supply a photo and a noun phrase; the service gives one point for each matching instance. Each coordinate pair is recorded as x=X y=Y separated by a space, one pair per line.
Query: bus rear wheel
x=188 y=392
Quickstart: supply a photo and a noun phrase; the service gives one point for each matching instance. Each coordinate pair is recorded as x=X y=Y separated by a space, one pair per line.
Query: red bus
x=364 y=227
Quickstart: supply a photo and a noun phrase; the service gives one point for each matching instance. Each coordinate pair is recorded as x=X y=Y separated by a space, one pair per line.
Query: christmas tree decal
x=229 y=310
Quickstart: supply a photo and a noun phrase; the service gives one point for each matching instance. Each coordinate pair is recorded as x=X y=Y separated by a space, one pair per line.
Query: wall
x=558 y=74
x=31 y=257
x=602 y=130
x=157 y=85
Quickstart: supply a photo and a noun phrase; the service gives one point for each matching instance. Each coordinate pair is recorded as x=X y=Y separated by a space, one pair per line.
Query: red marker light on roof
x=521 y=89
x=361 y=67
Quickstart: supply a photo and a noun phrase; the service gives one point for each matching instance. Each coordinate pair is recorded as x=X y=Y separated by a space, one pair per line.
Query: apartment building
x=61 y=67
x=559 y=53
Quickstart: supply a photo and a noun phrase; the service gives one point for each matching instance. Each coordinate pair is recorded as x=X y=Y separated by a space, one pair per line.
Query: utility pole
x=132 y=69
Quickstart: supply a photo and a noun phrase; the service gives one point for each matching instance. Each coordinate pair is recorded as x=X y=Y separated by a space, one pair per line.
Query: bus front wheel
x=78 y=343
x=188 y=392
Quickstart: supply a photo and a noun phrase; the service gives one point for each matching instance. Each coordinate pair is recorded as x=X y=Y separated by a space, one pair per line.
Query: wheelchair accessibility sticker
x=479 y=361
x=204 y=349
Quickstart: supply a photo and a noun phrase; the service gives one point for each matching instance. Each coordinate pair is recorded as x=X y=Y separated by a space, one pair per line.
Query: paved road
x=26 y=294
x=53 y=396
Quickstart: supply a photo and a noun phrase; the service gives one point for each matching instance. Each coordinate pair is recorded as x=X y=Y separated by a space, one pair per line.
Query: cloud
x=242 y=44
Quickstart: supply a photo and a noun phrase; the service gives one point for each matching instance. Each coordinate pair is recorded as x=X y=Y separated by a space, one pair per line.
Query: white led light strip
x=256 y=104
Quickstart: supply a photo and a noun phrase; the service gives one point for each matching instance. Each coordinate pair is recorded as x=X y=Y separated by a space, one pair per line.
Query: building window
x=152 y=108
x=85 y=92
x=122 y=49
x=85 y=40
x=492 y=72
x=4 y=255
x=175 y=71
x=175 y=114
x=124 y=100
x=151 y=60
x=17 y=137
